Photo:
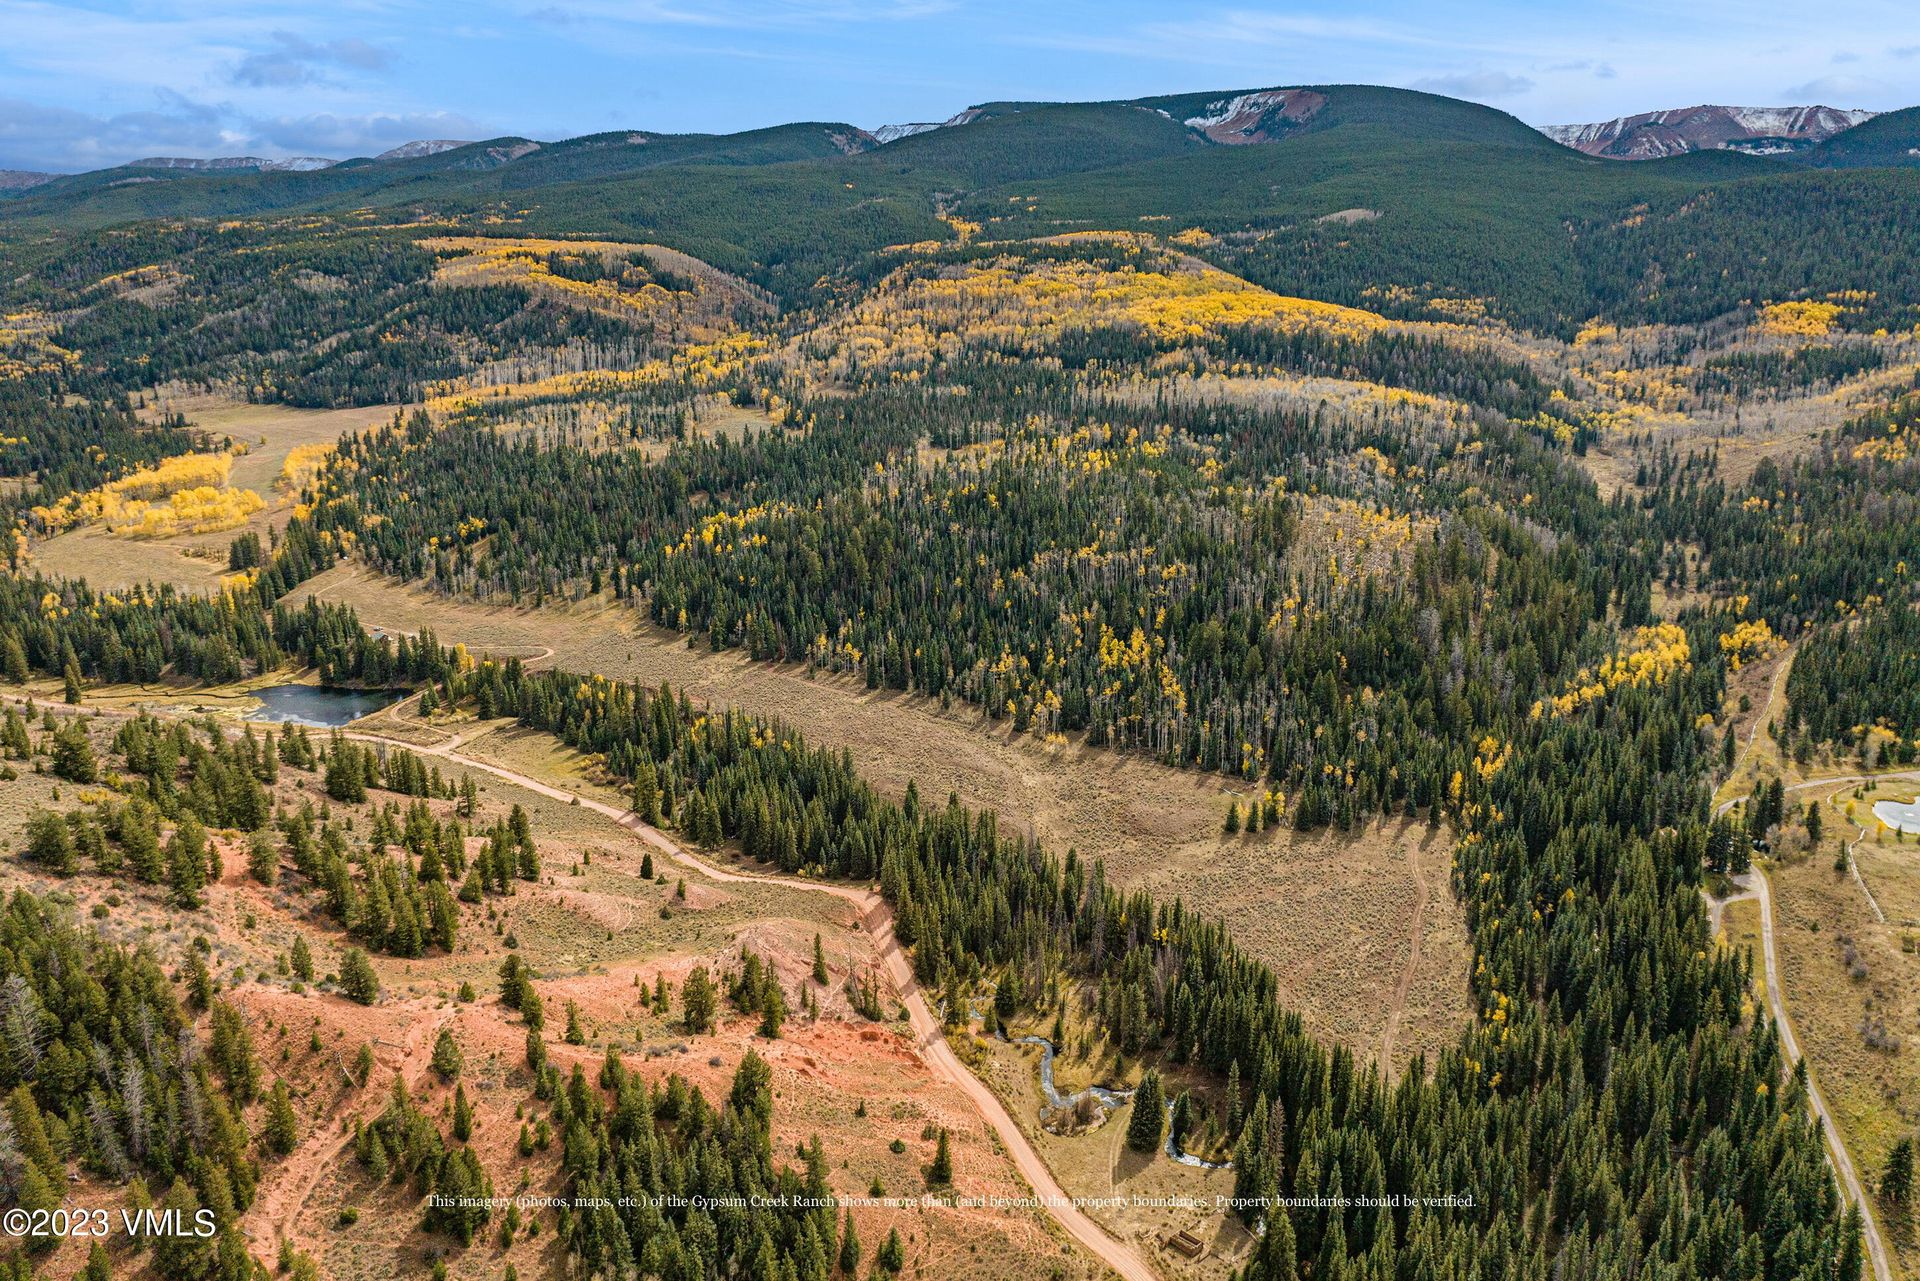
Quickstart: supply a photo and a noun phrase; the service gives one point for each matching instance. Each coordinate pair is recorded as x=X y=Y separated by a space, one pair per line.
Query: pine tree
x=357 y=979
x=1896 y=1182
x=940 y=1173
x=849 y=1248
x=199 y=981
x=462 y=1114
x=346 y=773
x=448 y=1061
x=302 y=959
x=263 y=858
x=773 y=1010
x=187 y=862
x=30 y=1134
x=73 y=757
x=36 y=1196
x=819 y=962
x=50 y=842
x=697 y=1000
x=893 y=1254
x=13 y=659
x=646 y=794
x=281 y=1134
x=1148 y=1124
x=139 y=837
x=1275 y=1256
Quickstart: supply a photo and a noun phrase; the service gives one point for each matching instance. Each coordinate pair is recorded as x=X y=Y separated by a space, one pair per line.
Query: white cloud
x=1836 y=91
x=34 y=136
x=1477 y=85
x=295 y=60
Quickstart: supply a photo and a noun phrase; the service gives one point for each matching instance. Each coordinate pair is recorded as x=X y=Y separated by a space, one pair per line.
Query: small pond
x=1901 y=815
x=321 y=706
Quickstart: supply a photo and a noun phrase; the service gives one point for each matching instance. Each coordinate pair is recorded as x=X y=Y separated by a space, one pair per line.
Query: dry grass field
x=595 y=931
x=1852 y=983
x=195 y=562
x=1363 y=930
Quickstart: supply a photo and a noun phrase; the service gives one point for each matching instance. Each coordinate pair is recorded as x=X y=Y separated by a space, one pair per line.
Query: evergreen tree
x=849 y=1248
x=73 y=757
x=1896 y=1181
x=462 y=1114
x=1274 y=1255
x=1148 y=1124
x=697 y=1000
x=281 y=1134
x=13 y=659
x=187 y=861
x=50 y=842
x=263 y=858
x=448 y=1061
x=358 y=982
x=773 y=1010
x=892 y=1255
x=940 y=1173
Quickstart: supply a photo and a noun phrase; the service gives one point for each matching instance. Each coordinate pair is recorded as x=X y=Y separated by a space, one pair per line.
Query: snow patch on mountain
x=1757 y=130
x=1260 y=116
x=421 y=147
x=218 y=164
x=893 y=133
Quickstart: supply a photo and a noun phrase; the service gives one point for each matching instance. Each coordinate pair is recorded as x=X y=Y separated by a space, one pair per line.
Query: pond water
x=1903 y=815
x=321 y=706
x=1106 y=1098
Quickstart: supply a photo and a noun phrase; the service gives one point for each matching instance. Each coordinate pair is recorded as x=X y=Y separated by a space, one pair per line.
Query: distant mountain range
x=1230 y=119
x=287 y=164
x=1759 y=131
x=1461 y=199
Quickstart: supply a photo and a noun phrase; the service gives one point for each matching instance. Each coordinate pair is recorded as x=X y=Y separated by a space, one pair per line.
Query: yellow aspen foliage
x=1798 y=319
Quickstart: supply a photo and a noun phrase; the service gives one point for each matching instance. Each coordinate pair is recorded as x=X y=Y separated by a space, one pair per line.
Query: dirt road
x=1753 y=884
x=876 y=917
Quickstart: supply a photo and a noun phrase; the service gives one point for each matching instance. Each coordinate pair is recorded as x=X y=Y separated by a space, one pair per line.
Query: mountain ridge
x=1655 y=135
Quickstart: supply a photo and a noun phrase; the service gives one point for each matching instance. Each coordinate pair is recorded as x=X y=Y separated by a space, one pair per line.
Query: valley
x=1383 y=639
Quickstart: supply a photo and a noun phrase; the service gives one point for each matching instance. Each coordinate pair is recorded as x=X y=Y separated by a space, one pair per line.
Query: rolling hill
x=1406 y=202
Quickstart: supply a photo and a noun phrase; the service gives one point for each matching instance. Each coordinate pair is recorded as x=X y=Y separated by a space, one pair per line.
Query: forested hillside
x=1394 y=468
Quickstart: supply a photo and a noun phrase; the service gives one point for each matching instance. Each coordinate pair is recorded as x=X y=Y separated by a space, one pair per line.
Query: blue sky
x=87 y=85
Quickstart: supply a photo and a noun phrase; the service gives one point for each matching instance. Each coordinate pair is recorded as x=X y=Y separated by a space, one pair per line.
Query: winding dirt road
x=876 y=918
x=1753 y=884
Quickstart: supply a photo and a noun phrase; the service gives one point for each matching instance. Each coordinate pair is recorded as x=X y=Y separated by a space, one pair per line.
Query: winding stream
x=1107 y=1098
